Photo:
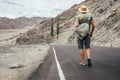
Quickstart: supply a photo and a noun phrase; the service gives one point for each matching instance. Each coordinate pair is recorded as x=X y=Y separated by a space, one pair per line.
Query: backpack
x=84 y=28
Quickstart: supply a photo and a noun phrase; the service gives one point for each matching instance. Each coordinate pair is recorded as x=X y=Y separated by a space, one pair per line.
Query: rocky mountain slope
x=106 y=14
x=21 y=22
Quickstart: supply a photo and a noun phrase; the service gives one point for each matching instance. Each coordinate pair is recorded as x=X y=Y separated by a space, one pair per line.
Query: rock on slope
x=107 y=31
x=106 y=14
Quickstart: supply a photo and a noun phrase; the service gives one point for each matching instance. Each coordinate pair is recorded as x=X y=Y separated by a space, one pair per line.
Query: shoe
x=89 y=62
x=82 y=64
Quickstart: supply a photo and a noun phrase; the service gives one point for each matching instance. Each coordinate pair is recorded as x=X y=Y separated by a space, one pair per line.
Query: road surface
x=106 y=65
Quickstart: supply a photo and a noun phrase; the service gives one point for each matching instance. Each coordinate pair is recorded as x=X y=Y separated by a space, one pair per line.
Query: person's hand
x=91 y=35
x=76 y=24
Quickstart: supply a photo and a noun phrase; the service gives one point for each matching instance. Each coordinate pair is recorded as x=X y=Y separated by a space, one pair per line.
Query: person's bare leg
x=82 y=55
x=88 y=51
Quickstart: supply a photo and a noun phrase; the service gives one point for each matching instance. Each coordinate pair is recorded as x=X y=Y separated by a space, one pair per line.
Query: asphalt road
x=106 y=64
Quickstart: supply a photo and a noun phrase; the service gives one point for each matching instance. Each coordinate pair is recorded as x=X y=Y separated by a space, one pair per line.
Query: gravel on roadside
x=18 y=62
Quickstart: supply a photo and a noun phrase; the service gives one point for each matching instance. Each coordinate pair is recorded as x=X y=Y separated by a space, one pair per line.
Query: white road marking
x=61 y=74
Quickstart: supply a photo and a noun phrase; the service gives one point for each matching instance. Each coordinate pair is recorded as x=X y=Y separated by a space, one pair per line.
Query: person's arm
x=93 y=27
x=76 y=23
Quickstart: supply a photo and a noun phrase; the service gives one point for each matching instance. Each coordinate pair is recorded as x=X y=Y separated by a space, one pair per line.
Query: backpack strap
x=89 y=21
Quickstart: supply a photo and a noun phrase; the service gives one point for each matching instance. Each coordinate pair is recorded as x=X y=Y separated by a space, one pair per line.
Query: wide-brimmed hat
x=83 y=8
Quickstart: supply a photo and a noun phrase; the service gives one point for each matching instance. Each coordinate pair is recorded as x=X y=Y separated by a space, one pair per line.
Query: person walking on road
x=83 y=36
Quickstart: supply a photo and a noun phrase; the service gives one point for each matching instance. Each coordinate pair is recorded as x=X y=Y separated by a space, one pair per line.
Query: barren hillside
x=106 y=14
x=21 y=22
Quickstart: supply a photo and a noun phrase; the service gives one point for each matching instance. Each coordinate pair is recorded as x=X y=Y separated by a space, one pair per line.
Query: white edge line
x=61 y=74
